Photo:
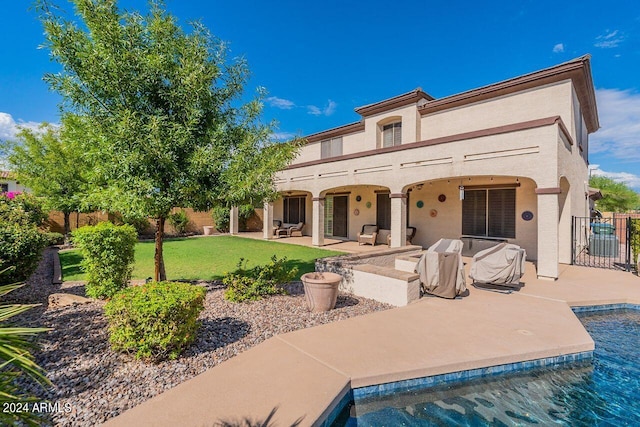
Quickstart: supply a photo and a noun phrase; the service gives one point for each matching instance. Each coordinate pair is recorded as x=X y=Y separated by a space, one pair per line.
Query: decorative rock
x=77 y=346
x=63 y=300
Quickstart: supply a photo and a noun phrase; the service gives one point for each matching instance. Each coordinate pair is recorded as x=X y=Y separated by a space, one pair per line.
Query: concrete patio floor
x=348 y=246
x=303 y=374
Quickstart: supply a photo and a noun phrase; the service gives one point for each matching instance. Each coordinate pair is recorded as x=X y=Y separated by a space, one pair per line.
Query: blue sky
x=320 y=60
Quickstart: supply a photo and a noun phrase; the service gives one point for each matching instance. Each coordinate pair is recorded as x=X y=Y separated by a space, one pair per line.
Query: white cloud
x=9 y=127
x=328 y=109
x=609 y=39
x=559 y=48
x=630 y=179
x=619 y=135
x=283 y=136
x=283 y=104
x=314 y=110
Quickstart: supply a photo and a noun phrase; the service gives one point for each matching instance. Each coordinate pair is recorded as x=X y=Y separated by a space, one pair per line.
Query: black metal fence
x=602 y=242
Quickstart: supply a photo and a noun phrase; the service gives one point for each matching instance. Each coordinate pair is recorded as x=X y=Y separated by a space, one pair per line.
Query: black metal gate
x=601 y=242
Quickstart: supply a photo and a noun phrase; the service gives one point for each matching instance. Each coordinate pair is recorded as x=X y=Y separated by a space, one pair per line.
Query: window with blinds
x=331 y=147
x=294 y=210
x=489 y=213
x=392 y=134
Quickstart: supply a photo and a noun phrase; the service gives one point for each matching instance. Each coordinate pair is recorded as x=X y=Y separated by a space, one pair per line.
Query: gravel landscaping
x=92 y=383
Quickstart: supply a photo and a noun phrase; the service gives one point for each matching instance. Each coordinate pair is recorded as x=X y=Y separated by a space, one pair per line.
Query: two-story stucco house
x=507 y=161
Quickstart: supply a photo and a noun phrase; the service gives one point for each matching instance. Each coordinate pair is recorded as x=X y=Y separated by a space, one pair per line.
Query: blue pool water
x=603 y=391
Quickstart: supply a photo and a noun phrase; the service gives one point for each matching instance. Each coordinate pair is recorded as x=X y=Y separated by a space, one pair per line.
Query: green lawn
x=206 y=258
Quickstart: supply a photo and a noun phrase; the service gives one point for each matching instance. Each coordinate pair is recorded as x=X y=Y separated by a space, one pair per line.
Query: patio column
x=548 y=234
x=317 y=222
x=267 y=220
x=233 y=220
x=398 y=219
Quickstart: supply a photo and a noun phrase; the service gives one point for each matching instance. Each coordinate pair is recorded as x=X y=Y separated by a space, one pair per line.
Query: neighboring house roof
x=578 y=70
x=6 y=175
x=595 y=194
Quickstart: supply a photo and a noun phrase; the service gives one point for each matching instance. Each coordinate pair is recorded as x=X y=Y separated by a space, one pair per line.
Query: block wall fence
x=197 y=220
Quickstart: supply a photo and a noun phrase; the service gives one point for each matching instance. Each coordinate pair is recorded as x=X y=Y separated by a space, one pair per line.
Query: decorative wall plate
x=356 y=212
x=368 y=205
x=358 y=198
x=419 y=204
x=433 y=213
x=442 y=198
x=527 y=215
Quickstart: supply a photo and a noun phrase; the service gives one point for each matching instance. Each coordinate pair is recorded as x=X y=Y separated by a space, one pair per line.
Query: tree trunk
x=160 y=274
x=67 y=223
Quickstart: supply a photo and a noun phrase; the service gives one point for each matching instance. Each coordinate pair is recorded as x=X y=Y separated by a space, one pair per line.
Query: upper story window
x=392 y=134
x=331 y=147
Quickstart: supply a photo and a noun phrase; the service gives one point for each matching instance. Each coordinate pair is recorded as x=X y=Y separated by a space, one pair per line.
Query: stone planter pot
x=208 y=230
x=321 y=290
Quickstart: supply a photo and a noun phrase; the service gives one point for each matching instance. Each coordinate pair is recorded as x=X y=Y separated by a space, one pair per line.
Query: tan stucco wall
x=448 y=220
x=351 y=143
x=544 y=101
x=528 y=153
x=405 y=114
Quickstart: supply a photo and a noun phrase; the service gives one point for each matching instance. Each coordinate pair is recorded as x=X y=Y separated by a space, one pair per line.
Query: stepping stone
x=63 y=300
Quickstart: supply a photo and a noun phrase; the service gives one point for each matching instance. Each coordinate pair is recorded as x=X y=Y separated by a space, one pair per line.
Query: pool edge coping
x=385 y=389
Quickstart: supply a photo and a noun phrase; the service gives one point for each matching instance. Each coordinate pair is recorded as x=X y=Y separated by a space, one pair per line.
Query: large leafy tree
x=51 y=162
x=616 y=196
x=165 y=113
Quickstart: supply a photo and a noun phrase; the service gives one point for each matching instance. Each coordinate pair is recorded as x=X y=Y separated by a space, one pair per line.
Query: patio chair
x=441 y=269
x=499 y=268
x=277 y=224
x=295 y=229
x=368 y=234
x=411 y=233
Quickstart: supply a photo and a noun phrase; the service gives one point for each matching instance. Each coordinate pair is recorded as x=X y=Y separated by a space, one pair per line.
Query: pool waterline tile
x=381 y=390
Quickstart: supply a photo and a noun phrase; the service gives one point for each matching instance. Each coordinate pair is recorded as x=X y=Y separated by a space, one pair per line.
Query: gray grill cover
x=501 y=265
x=441 y=269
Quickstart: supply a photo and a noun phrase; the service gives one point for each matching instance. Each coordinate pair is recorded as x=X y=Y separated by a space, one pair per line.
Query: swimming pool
x=602 y=391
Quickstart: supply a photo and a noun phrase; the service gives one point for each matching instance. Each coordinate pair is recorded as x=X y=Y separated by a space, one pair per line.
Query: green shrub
x=635 y=238
x=54 y=238
x=21 y=242
x=179 y=221
x=258 y=282
x=244 y=213
x=220 y=216
x=32 y=208
x=107 y=252
x=140 y=224
x=155 y=320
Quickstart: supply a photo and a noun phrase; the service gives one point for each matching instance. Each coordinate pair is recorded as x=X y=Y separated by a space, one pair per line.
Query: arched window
x=389 y=132
x=392 y=134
